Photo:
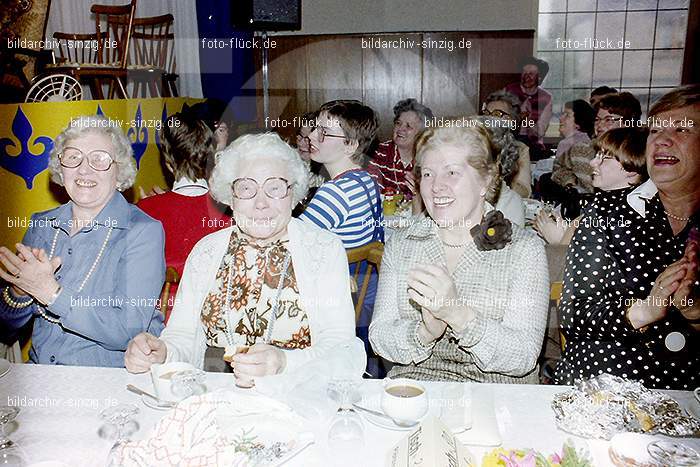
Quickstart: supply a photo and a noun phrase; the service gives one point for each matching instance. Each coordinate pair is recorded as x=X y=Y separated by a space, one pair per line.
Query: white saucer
x=150 y=402
x=4 y=367
x=382 y=422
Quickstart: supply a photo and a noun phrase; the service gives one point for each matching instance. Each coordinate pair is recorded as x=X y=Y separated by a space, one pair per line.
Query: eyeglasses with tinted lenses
x=496 y=113
x=323 y=133
x=273 y=187
x=99 y=160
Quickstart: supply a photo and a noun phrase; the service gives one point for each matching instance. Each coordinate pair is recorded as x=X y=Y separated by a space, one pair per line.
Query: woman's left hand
x=431 y=287
x=685 y=297
x=260 y=360
x=30 y=271
x=552 y=230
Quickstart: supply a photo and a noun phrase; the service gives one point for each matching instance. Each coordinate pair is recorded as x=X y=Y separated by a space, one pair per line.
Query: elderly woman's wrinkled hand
x=143 y=351
x=552 y=230
x=30 y=271
x=433 y=288
x=656 y=305
x=260 y=360
x=431 y=328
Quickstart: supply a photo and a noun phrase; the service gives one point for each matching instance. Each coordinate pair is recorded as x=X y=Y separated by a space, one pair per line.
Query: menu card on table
x=430 y=444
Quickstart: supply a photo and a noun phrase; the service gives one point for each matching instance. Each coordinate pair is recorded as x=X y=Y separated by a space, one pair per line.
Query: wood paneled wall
x=306 y=71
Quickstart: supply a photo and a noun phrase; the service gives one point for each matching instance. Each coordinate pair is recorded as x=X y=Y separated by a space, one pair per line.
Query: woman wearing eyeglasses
x=87 y=274
x=619 y=163
x=271 y=284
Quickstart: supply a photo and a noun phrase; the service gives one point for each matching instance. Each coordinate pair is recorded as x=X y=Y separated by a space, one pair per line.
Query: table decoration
x=569 y=457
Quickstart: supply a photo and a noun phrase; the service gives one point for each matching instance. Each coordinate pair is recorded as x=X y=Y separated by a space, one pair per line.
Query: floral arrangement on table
x=569 y=457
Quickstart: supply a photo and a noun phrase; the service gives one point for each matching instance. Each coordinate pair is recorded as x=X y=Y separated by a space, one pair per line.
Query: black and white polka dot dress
x=614 y=259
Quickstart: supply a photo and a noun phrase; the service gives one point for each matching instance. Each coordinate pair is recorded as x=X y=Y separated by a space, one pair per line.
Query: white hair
x=263 y=146
x=123 y=153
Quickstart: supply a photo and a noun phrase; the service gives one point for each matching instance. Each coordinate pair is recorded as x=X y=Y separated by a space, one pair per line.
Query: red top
x=389 y=171
x=186 y=220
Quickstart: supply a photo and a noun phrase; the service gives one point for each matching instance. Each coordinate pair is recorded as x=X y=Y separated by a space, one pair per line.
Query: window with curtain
x=574 y=36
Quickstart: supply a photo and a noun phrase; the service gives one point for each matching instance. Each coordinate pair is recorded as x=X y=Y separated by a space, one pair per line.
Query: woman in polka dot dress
x=630 y=304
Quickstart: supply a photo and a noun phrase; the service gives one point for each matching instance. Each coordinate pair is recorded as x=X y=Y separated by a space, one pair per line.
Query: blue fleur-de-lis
x=138 y=135
x=23 y=162
x=163 y=121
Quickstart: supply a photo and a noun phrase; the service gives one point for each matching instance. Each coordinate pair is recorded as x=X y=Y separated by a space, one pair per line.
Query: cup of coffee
x=404 y=400
x=162 y=377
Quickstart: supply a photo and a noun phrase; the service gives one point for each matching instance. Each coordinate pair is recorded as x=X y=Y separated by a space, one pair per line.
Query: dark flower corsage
x=494 y=232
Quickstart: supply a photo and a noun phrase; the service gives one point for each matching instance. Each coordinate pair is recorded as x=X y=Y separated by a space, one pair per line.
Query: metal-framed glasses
x=323 y=133
x=495 y=113
x=99 y=160
x=273 y=187
x=603 y=156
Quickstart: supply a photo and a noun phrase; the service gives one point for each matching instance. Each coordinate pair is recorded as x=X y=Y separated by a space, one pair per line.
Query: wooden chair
x=113 y=28
x=372 y=253
x=555 y=289
x=151 y=65
x=172 y=278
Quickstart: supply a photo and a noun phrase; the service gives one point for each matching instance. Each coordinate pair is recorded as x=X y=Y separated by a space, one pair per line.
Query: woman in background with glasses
x=87 y=273
x=272 y=285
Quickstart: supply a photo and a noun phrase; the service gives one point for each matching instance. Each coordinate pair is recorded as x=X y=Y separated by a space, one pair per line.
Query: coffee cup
x=162 y=377
x=404 y=401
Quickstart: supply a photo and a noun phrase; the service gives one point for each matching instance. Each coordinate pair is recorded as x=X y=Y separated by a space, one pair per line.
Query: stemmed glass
x=188 y=383
x=673 y=454
x=9 y=451
x=346 y=432
x=118 y=426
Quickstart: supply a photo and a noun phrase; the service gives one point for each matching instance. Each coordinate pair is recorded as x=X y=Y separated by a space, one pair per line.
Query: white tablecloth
x=60 y=409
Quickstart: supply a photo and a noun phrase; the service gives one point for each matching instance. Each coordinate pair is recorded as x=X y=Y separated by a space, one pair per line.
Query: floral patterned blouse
x=254 y=272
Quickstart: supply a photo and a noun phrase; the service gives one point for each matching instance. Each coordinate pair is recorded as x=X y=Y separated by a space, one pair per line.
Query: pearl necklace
x=678 y=218
x=87 y=277
x=273 y=317
x=449 y=245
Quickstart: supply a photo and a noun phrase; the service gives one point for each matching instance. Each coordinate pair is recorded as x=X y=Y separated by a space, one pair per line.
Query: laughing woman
x=87 y=274
x=462 y=293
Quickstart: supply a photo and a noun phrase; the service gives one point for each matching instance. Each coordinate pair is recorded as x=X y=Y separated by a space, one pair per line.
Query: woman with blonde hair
x=462 y=292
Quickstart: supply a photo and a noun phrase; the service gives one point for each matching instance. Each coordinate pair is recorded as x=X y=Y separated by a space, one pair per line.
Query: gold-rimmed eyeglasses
x=99 y=160
x=273 y=187
x=322 y=132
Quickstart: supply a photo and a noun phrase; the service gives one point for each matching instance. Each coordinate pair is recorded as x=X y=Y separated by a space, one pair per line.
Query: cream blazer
x=321 y=269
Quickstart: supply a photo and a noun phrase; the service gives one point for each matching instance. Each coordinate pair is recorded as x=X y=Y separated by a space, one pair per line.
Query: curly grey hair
x=263 y=146
x=507 y=97
x=506 y=153
x=123 y=153
x=412 y=105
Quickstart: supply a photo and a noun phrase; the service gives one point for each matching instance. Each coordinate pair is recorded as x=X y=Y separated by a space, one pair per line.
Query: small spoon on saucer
x=384 y=416
x=141 y=392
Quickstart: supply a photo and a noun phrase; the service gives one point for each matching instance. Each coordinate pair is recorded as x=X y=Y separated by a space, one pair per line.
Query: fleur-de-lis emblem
x=18 y=158
x=138 y=135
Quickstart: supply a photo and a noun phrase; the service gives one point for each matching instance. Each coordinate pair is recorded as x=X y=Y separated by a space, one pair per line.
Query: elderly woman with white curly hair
x=87 y=273
x=266 y=295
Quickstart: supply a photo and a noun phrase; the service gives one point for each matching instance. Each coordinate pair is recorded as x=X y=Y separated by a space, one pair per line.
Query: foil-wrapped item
x=606 y=405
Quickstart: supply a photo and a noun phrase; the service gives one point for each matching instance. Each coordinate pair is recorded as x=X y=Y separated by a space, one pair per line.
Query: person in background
x=615 y=111
x=392 y=164
x=535 y=104
x=462 y=292
x=630 y=304
x=271 y=283
x=349 y=204
x=87 y=273
x=303 y=145
x=187 y=212
x=598 y=94
x=502 y=104
x=572 y=168
x=620 y=162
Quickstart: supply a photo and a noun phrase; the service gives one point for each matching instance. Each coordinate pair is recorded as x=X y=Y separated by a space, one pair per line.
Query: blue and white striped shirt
x=349 y=206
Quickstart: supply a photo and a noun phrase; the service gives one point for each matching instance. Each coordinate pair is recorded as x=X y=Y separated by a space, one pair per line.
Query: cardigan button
x=52 y=359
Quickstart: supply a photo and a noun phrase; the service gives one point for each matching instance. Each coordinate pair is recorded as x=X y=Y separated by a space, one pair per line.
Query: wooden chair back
x=153 y=43
x=172 y=278
x=114 y=23
x=555 y=289
x=372 y=254
x=76 y=48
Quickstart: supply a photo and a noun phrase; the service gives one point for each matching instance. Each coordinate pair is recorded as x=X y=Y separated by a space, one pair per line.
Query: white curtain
x=74 y=16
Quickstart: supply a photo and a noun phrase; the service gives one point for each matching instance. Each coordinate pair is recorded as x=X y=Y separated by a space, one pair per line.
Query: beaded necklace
x=87 y=277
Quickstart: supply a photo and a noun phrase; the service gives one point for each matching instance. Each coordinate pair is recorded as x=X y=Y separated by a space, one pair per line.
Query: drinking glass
x=9 y=451
x=118 y=426
x=673 y=454
x=188 y=383
x=346 y=432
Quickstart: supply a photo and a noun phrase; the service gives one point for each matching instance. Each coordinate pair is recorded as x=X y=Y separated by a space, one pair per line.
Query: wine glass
x=9 y=451
x=346 y=432
x=118 y=426
x=673 y=454
x=187 y=383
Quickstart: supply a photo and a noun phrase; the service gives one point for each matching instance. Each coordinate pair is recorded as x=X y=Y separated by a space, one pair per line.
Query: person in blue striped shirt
x=349 y=204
